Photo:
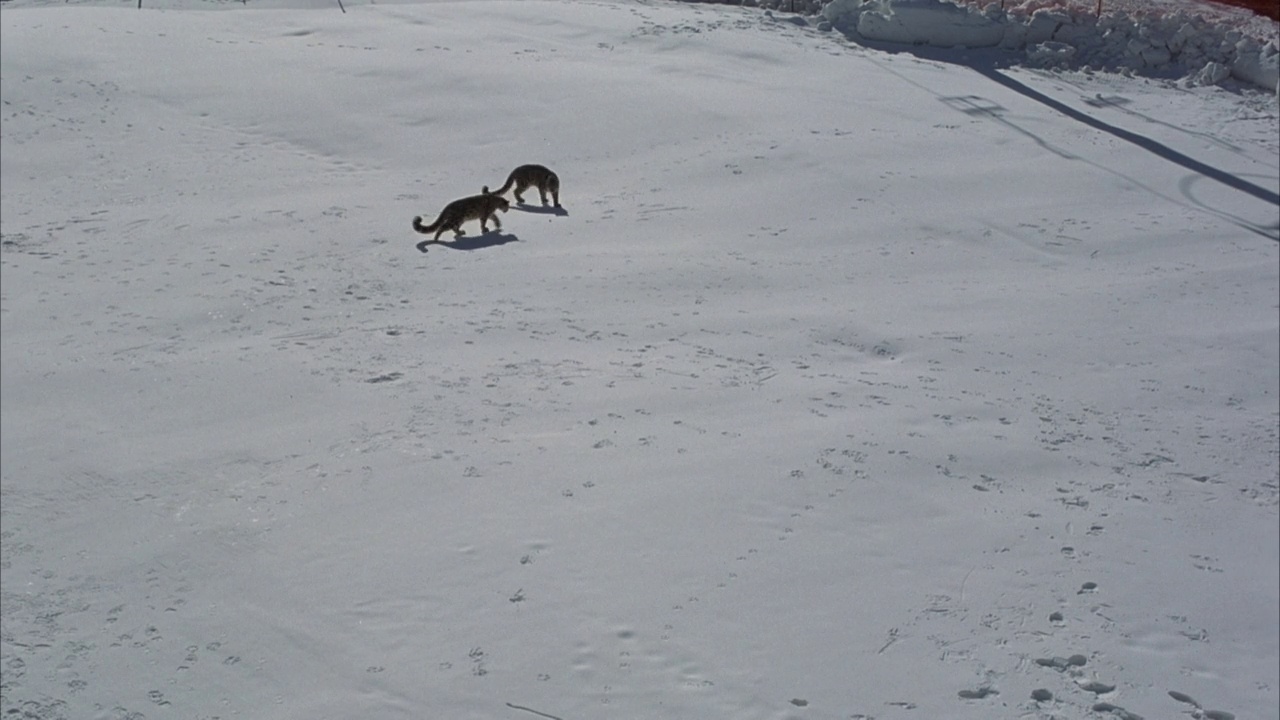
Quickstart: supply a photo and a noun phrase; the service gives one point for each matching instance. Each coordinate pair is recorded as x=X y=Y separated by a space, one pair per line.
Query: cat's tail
x=511 y=180
x=426 y=229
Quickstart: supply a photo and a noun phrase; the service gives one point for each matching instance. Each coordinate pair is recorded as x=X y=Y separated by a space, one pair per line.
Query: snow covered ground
x=853 y=382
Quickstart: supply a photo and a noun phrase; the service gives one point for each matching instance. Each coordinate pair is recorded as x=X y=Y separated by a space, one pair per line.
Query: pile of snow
x=1178 y=44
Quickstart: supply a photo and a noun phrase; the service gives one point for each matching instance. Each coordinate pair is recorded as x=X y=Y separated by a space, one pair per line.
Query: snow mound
x=932 y=22
x=1176 y=44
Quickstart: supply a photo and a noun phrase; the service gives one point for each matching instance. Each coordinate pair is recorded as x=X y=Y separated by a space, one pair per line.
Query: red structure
x=1265 y=8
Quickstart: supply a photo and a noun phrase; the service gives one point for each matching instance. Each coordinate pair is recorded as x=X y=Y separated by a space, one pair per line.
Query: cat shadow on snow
x=493 y=238
x=540 y=209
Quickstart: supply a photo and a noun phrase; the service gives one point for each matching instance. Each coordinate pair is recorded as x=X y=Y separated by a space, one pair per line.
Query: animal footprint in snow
x=978 y=694
x=1061 y=663
x=1096 y=687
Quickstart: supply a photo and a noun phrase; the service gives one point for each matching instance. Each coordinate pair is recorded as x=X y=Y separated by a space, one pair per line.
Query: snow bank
x=931 y=22
x=1170 y=44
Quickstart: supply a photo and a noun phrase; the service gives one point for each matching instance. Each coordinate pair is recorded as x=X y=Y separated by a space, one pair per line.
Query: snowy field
x=857 y=379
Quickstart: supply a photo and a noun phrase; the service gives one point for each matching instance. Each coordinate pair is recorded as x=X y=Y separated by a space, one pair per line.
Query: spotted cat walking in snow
x=527 y=176
x=483 y=207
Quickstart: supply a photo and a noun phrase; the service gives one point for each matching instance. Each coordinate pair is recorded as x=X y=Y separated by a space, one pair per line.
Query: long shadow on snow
x=541 y=209
x=988 y=62
x=493 y=238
